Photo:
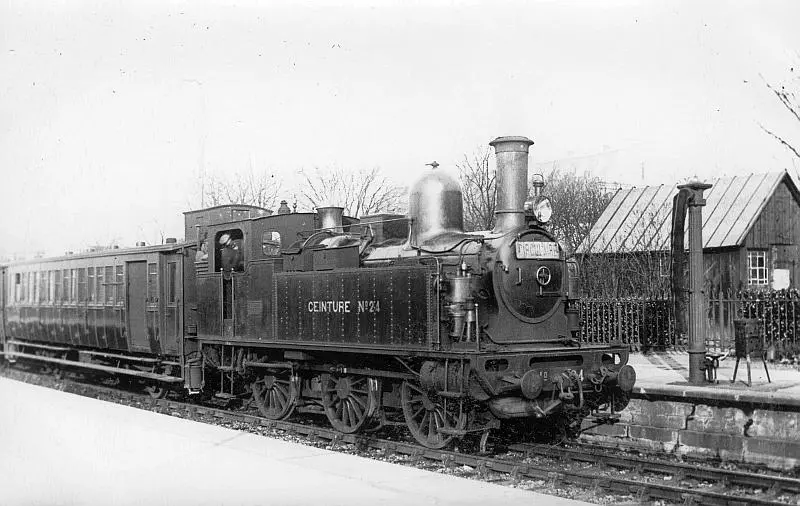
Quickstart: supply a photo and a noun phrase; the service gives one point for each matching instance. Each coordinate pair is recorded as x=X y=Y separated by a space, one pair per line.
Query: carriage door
x=3 y=289
x=137 y=301
x=172 y=322
x=153 y=309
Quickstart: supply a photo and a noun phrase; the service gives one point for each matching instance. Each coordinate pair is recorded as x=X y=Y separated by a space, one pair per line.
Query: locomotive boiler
x=382 y=320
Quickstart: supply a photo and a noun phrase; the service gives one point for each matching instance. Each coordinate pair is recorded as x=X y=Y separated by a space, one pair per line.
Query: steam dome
x=435 y=207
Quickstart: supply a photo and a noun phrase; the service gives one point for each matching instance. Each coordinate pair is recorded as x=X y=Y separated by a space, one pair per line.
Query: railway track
x=656 y=478
x=587 y=467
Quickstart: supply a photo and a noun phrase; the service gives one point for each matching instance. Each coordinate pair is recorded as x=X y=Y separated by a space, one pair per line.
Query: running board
x=12 y=355
x=131 y=358
x=14 y=342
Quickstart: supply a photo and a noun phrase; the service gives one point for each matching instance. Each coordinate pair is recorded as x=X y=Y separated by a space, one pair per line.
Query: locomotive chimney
x=511 y=154
x=331 y=218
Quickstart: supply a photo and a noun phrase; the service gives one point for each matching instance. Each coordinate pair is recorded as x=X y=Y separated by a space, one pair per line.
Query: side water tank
x=435 y=207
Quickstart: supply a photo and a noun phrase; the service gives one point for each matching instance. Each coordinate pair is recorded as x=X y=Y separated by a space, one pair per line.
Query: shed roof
x=640 y=219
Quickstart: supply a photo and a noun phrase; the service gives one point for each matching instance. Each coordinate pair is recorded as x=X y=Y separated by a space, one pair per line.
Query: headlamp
x=542 y=209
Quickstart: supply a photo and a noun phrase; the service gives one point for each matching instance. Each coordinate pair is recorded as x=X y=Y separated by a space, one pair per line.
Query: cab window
x=271 y=242
x=229 y=251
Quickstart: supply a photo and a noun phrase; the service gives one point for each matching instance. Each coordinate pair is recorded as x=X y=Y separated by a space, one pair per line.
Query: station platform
x=62 y=449
x=667 y=374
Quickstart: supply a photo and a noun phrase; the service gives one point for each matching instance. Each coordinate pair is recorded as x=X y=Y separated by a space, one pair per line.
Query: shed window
x=757 y=268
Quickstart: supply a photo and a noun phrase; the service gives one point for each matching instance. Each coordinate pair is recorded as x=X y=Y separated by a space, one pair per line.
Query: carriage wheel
x=429 y=416
x=349 y=401
x=275 y=395
x=156 y=391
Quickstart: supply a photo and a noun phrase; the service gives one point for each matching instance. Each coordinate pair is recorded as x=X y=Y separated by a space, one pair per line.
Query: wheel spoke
x=276 y=401
x=357 y=410
x=427 y=416
x=346 y=419
x=357 y=400
x=424 y=422
x=416 y=389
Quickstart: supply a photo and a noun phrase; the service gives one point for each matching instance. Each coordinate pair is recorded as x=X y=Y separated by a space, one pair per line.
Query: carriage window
x=59 y=286
x=271 y=242
x=92 y=287
x=152 y=283
x=74 y=280
x=172 y=269
x=101 y=286
x=34 y=287
x=66 y=289
x=109 y=284
x=229 y=251
x=42 y=287
x=82 y=285
x=118 y=284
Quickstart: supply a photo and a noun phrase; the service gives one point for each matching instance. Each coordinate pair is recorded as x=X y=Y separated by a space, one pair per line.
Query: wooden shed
x=751 y=229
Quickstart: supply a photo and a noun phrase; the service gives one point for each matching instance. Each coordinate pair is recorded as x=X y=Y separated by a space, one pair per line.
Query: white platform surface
x=62 y=449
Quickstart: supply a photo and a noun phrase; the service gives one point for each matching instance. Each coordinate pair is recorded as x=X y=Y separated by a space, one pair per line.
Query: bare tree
x=253 y=188
x=478 y=182
x=578 y=201
x=787 y=95
x=360 y=193
x=638 y=266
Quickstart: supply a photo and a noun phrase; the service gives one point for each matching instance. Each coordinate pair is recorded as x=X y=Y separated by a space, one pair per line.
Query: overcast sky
x=110 y=111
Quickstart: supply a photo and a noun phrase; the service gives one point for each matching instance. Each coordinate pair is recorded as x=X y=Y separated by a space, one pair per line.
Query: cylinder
x=511 y=154
x=460 y=288
x=331 y=218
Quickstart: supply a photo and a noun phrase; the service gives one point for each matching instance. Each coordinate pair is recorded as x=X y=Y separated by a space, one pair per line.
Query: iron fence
x=778 y=313
x=641 y=323
x=649 y=323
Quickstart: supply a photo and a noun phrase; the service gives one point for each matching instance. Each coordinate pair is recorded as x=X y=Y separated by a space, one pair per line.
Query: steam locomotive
x=382 y=320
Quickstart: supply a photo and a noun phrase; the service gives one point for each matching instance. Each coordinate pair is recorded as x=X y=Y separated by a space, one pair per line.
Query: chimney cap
x=509 y=143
